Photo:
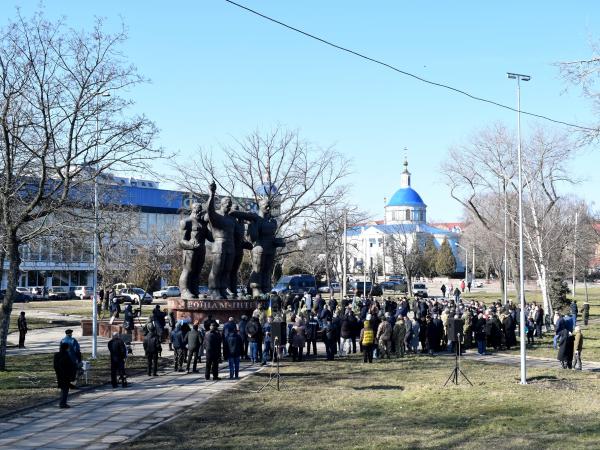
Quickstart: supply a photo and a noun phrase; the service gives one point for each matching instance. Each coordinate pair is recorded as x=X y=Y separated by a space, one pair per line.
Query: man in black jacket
x=312 y=327
x=244 y=336
x=212 y=345
x=193 y=345
x=65 y=372
x=118 y=354
x=22 y=326
x=234 y=350
x=178 y=348
x=152 y=348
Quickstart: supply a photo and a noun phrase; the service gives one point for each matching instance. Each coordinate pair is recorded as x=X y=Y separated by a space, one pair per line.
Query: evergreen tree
x=445 y=263
x=430 y=257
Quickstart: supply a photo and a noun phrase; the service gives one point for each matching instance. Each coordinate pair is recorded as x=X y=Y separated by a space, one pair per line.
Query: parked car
x=22 y=296
x=296 y=284
x=37 y=292
x=478 y=284
x=357 y=288
x=134 y=295
x=398 y=278
x=83 y=292
x=118 y=287
x=334 y=285
x=420 y=290
x=58 y=293
x=167 y=291
x=395 y=286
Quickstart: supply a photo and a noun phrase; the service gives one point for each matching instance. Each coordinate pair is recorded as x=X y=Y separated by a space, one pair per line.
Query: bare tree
x=59 y=130
x=295 y=175
x=405 y=247
x=481 y=175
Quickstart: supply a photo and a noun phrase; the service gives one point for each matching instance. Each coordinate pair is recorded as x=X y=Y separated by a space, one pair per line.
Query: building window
x=407 y=214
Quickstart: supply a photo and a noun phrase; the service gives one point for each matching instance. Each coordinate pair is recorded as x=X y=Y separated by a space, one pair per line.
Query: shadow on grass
x=379 y=387
x=543 y=378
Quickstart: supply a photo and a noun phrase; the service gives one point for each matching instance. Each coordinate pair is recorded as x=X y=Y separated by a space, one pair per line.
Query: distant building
x=157 y=212
x=406 y=219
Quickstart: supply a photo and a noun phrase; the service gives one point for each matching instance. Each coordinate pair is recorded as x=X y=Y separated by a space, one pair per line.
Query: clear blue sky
x=218 y=71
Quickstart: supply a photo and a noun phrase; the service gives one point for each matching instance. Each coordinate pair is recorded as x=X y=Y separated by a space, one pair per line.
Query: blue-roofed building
x=156 y=212
x=405 y=220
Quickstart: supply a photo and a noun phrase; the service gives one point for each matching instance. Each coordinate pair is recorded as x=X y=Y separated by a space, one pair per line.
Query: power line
x=403 y=72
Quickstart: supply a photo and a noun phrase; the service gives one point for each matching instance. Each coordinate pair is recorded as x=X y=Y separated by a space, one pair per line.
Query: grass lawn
x=31 y=379
x=393 y=404
x=34 y=323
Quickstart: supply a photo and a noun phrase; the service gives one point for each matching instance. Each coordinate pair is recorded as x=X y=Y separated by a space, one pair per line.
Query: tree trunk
x=501 y=278
x=548 y=309
x=14 y=261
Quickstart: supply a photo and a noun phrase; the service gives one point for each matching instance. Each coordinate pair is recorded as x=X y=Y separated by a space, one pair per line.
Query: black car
x=20 y=298
x=296 y=284
x=357 y=288
x=396 y=286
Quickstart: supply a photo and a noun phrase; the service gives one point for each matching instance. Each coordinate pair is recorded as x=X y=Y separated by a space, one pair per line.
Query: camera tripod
x=274 y=374
x=456 y=371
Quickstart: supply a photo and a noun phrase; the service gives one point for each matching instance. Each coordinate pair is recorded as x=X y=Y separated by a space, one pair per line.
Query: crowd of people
x=376 y=327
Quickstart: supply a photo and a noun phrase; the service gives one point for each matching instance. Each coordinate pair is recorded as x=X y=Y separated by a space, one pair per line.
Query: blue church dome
x=406 y=196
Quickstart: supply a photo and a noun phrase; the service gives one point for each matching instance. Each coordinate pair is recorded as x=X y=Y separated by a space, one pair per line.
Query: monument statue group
x=230 y=231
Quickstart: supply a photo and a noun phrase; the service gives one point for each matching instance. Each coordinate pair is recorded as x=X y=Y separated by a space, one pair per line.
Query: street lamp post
x=520 y=77
x=95 y=238
x=505 y=280
x=345 y=256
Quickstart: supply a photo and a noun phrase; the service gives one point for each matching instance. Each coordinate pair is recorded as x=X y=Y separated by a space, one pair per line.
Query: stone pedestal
x=221 y=310
x=106 y=329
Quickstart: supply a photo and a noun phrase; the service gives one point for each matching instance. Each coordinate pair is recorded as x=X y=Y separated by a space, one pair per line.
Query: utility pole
x=473 y=267
x=575 y=254
x=384 y=231
x=345 y=255
x=519 y=78
x=505 y=281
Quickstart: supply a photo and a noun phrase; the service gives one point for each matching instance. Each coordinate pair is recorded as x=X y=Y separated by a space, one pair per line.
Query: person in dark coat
x=480 y=329
x=435 y=330
x=329 y=339
x=194 y=341
x=118 y=354
x=212 y=347
x=22 y=326
x=574 y=311
x=253 y=330
x=243 y=335
x=115 y=308
x=159 y=319
x=566 y=342
x=311 y=330
x=178 y=347
x=234 y=347
x=228 y=327
x=432 y=335
x=152 y=348
x=508 y=324
x=65 y=370
x=128 y=319
x=346 y=333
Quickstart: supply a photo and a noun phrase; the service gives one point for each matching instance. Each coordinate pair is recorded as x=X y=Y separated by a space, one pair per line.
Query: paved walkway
x=532 y=361
x=45 y=340
x=107 y=416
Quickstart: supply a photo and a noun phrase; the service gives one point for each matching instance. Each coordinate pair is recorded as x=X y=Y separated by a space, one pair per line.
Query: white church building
x=406 y=220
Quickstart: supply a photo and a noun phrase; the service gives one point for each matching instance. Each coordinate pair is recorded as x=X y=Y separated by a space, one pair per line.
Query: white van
x=420 y=290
